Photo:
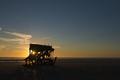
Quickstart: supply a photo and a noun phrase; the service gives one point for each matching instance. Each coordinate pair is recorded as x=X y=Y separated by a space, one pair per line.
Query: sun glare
x=33 y=52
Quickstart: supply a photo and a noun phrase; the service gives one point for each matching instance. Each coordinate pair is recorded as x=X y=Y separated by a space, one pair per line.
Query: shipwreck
x=40 y=55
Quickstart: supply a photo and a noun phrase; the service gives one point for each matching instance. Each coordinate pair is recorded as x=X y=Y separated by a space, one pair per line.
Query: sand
x=64 y=69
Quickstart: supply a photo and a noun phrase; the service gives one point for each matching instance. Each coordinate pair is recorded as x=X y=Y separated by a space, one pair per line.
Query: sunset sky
x=75 y=28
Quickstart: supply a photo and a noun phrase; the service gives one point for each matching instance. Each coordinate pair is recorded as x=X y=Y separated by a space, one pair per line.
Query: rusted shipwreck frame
x=40 y=54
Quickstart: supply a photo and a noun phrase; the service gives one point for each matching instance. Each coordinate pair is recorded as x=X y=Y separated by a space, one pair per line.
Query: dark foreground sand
x=64 y=69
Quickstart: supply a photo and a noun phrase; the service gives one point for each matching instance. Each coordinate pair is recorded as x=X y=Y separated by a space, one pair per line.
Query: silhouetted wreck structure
x=40 y=54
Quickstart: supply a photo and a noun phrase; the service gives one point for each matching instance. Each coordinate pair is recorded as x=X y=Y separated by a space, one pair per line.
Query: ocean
x=64 y=69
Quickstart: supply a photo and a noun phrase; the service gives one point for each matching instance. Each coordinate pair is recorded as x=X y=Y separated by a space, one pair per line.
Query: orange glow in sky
x=76 y=28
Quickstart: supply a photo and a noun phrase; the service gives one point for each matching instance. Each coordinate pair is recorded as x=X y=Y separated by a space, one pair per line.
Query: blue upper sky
x=75 y=25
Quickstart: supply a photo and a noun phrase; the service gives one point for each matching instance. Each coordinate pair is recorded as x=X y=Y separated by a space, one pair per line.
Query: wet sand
x=64 y=69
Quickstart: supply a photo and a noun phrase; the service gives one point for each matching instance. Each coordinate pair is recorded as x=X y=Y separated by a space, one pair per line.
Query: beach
x=64 y=69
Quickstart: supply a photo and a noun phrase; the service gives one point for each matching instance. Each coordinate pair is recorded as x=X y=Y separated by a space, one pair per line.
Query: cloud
x=20 y=35
x=8 y=39
x=16 y=40
x=21 y=38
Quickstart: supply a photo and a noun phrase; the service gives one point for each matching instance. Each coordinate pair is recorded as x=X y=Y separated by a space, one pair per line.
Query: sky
x=75 y=28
